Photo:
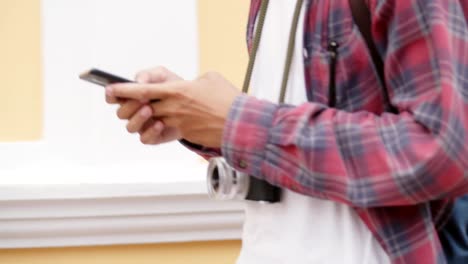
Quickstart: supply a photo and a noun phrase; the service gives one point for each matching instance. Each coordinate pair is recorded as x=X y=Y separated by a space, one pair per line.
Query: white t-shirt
x=299 y=229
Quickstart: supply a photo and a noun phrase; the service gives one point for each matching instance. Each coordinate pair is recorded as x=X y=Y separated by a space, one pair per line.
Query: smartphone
x=101 y=77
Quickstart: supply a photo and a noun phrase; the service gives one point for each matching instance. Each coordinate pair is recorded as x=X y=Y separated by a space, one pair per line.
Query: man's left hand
x=197 y=108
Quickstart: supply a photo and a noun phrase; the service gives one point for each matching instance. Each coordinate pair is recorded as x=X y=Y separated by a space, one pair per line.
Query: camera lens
x=224 y=183
x=215 y=179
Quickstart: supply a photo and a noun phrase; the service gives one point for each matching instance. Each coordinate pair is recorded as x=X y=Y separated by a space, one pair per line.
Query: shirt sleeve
x=364 y=159
x=206 y=153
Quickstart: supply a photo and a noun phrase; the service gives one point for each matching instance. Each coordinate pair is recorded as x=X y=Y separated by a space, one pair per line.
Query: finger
x=128 y=109
x=153 y=134
x=144 y=92
x=147 y=125
x=170 y=122
x=139 y=119
x=156 y=75
x=114 y=100
x=153 y=75
x=164 y=108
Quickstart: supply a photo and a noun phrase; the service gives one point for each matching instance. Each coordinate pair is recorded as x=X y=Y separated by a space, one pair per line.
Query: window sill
x=60 y=215
x=49 y=201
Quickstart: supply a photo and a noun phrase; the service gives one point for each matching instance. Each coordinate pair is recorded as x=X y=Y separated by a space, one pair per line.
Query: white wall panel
x=83 y=139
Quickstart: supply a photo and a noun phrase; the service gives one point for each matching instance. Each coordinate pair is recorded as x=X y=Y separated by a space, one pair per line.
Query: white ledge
x=109 y=214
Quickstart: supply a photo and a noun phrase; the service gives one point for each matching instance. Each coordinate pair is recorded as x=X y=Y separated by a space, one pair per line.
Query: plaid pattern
x=399 y=172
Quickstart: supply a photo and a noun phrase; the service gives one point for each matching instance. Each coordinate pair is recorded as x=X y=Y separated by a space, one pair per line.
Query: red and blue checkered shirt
x=399 y=171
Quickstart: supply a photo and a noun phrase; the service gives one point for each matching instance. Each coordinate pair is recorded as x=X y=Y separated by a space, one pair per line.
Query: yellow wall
x=222 y=37
x=219 y=252
x=222 y=48
x=20 y=89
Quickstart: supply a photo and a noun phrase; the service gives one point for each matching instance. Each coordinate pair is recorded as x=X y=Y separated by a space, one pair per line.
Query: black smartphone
x=101 y=77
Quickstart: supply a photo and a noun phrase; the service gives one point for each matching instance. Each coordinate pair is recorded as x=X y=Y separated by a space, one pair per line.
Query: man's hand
x=139 y=114
x=198 y=109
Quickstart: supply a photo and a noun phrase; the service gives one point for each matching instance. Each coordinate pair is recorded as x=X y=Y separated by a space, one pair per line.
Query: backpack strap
x=362 y=18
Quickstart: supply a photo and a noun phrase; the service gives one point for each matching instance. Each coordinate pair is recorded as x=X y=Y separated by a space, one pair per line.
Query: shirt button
x=305 y=53
x=243 y=164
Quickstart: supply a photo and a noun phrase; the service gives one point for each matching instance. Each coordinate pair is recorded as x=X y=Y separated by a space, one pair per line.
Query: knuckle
x=180 y=92
x=211 y=75
x=183 y=90
x=145 y=93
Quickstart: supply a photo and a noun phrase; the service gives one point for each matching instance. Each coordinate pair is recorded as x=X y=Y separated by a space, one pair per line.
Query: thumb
x=143 y=77
x=154 y=75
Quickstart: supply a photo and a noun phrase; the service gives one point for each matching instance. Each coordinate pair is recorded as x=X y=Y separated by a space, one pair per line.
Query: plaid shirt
x=399 y=171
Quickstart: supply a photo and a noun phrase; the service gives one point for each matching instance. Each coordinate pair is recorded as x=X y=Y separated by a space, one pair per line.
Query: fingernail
x=142 y=79
x=158 y=126
x=109 y=91
x=145 y=112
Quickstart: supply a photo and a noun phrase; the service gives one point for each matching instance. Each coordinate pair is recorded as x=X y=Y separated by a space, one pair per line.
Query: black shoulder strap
x=362 y=18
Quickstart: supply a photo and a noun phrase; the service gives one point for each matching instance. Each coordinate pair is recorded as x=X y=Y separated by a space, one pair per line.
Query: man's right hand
x=140 y=114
